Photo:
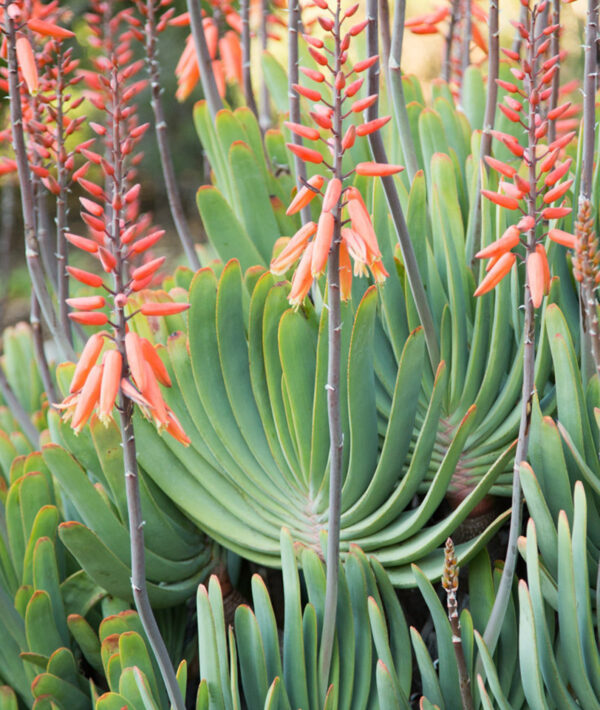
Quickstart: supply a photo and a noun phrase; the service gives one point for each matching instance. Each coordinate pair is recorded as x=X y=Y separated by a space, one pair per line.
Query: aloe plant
x=179 y=557
x=253 y=664
x=37 y=592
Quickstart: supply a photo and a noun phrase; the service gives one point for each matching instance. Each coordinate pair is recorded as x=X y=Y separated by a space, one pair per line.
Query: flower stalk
x=397 y=90
x=450 y=584
x=539 y=191
x=209 y=85
x=150 y=10
x=334 y=333
x=379 y=153
x=329 y=244
x=294 y=98
x=32 y=254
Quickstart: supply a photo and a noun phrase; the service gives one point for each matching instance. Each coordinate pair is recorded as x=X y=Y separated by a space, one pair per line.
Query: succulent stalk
x=134 y=507
x=32 y=255
x=539 y=193
x=450 y=584
x=554 y=49
x=294 y=99
x=162 y=140
x=247 y=57
x=491 y=102
x=397 y=90
x=449 y=45
x=61 y=200
x=391 y=194
x=386 y=34
x=334 y=244
x=334 y=334
x=207 y=79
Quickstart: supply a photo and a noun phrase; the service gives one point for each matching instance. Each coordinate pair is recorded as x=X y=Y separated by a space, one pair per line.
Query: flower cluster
x=48 y=71
x=222 y=31
x=313 y=242
x=434 y=22
x=118 y=235
x=536 y=188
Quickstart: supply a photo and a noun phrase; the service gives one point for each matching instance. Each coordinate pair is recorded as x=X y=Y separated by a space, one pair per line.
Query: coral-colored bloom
x=332 y=194
x=85 y=318
x=27 y=64
x=306 y=194
x=87 y=398
x=87 y=359
x=507 y=241
x=163 y=309
x=135 y=359
x=293 y=249
x=309 y=155
x=111 y=379
x=378 y=169
x=157 y=365
x=302 y=279
x=87 y=303
x=322 y=243
x=345 y=270
x=49 y=29
x=565 y=238
x=510 y=203
x=496 y=274
x=535 y=278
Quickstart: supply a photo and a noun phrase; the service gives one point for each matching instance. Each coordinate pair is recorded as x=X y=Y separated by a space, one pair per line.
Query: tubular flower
x=341 y=202
x=538 y=184
x=225 y=51
x=116 y=364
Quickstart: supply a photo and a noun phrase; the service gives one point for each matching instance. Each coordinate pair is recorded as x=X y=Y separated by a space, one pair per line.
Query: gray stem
x=336 y=440
x=32 y=255
x=207 y=79
x=391 y=194
x=397 y=90
x=162 y=140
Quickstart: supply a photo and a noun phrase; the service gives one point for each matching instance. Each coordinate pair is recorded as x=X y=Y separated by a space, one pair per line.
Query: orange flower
x=302 y=280
x=305 y=194
x=345 y=270
x=378 y=271
x=111 y=379
x=497 y=273
x=151 y=391
x=378 y=169
x=535 y=278
x=510 y=203
x=49 y=29
x=27 y=65
x=332 y=194
x=361 y=222
x=87 y=398
x=163 y=309
x=357 y=249
x=507 y=241
x=175 y=429
x=157 y=365
x=87 y=359
x=86 y=303
x=565 y=238
x=322 y=243
x=293 y=249
x=86 y=318
x=135 y=359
